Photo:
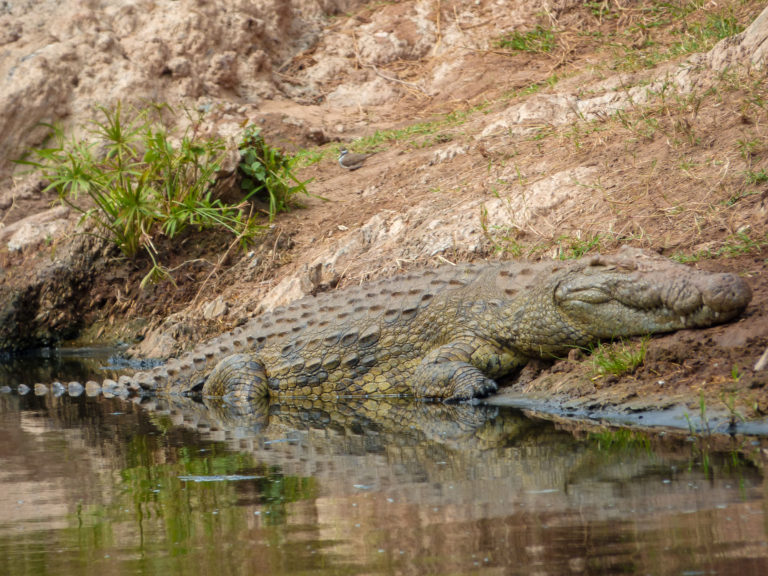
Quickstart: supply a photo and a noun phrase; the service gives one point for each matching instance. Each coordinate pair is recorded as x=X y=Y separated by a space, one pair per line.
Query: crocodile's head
x=634 y=293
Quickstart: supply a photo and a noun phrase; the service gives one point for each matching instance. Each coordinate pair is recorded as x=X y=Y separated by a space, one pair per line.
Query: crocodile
x=450 y=332
x=447 y=333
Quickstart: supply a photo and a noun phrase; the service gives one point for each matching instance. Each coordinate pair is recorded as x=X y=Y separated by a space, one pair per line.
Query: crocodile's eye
x=568 y=293
x=591 y=295
x=599 y=268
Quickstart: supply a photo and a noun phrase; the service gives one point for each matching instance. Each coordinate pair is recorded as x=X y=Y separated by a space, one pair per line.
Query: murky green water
x=106 y=487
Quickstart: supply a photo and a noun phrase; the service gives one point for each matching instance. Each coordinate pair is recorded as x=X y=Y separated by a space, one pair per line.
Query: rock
x=215 y=309
x=447 y=153
x=317 y=135
x=5 y=390
x=749 y=47
x=223 y=69
x=286 y=291
x=36 y=307
x=35 y=229
x=157 y=343
x=75 y=389
x=58 y=389
x=129 y=383
x=60 y=60
x=374 y=93
x=179 y=67
x=92 y=388
x=109 y=386
x=23 y=389
x=40 y=389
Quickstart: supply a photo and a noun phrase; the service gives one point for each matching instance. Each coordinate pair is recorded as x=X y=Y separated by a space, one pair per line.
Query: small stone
x=151 y=404
x=762 y=362
x=40 y=389
x=144 y=381
x=179 y=67
x=92 y=388
x=575 y=355
x=108 y=384
x=318 y=135
x=5 y=390
x=215 y=308
x=23 y=389
x=58 y=388
x=128 y=383
x=75 y=389
x=104 y=42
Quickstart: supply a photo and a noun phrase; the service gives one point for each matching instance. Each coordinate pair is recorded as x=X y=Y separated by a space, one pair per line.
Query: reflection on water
x=46 y=365
x=99 y=486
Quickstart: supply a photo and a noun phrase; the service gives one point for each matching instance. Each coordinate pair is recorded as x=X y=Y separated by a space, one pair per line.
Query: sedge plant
x=139 y=182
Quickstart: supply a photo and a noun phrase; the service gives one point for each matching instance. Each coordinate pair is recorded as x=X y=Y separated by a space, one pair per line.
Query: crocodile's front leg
x=461 y=370
x=239 y=380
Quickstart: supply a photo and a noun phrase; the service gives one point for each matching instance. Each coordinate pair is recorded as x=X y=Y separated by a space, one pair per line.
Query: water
x=92 y=485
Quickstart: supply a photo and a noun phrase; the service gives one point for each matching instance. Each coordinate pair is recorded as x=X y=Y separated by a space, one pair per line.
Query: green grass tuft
x=618 y=358
x=736 y=245
x=539 y=39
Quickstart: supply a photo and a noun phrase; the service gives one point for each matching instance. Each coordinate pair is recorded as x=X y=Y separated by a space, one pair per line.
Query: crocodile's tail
x=107 y=387
x=186 y=374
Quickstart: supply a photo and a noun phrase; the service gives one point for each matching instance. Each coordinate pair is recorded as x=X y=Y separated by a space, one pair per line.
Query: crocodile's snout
x=725 y=293
x=608 y=299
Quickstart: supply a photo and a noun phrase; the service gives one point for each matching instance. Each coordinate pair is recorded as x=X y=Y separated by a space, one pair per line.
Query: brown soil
x=670 y=171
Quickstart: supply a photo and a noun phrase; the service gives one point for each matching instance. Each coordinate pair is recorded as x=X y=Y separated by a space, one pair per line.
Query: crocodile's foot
x=238 y=379
x=472 y=390
x=453 y=382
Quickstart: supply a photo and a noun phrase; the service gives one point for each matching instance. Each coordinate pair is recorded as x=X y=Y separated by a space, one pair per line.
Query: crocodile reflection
x=309 y=485
x=384 y=421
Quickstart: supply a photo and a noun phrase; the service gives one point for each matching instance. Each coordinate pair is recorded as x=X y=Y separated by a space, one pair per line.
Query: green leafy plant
x=664 y=38
x=140 y=182
x=719 y=26
x=268 y=173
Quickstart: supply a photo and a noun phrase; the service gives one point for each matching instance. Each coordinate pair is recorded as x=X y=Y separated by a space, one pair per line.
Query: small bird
x=351 y=161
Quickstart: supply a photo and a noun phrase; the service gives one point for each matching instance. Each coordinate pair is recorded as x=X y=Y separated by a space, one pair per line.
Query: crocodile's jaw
x=610 y=297
x=608 y=301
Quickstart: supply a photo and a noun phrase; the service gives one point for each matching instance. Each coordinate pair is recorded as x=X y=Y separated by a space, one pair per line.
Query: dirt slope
x=612 y=123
